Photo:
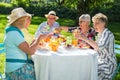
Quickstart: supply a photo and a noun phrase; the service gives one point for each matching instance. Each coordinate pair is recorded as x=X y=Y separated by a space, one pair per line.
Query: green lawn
x=114 y=27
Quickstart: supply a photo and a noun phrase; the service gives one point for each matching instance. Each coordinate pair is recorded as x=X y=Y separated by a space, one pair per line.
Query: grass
x=115 y=28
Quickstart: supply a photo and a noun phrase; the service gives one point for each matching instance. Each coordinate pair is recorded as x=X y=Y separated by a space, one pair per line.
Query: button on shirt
x=44 y=28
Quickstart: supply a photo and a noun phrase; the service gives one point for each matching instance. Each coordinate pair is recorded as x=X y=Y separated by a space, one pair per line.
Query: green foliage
x=62 y=11
x=68 y=9
x=114 y=27
x=40 y=9
x=5 y=8
x=20 y=3
x=113 y=12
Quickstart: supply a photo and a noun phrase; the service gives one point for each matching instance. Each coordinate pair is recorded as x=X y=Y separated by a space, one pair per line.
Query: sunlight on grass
x=1 y=37
x=32 y=29
x=66 y=22
x=28 y=37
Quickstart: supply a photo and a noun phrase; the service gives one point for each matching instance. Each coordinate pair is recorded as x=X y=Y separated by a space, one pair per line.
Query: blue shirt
x=12 y=40
x=44 y=28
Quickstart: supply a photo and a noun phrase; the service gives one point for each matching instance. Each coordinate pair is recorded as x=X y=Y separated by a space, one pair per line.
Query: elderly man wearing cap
x=17 y=49
x=48 y=26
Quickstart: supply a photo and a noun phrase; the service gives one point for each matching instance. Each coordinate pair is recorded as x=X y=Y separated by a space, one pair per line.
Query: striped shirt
x=106 y=56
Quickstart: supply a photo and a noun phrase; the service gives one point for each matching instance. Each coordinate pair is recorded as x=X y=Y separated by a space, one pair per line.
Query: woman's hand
x=42 y=36
x=30 y=49
x=80 y=36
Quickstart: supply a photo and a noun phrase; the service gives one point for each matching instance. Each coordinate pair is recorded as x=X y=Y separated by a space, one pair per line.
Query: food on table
x=76 y=31
x=47 y=39
x=83 y=44
x=54 y=44
x=75 y=42
x=69 y=41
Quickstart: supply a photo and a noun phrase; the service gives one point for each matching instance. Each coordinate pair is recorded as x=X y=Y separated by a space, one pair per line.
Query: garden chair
x=2 y=62
x=117 y=51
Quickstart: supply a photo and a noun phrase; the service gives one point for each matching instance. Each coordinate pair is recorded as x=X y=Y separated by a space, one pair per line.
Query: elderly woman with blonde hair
x=104 y=45
x=17 y=49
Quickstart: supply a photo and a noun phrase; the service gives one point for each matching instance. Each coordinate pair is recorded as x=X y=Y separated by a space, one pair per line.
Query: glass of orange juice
x=75 y=42
x=54 y=45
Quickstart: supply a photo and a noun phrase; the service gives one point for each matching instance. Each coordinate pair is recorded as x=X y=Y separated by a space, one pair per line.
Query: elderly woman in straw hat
x=48 y=26
x=104 y=45
x=17 y=49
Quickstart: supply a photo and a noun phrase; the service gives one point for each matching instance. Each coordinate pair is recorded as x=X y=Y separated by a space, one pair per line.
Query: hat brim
x=56 y=17
x=14 y=19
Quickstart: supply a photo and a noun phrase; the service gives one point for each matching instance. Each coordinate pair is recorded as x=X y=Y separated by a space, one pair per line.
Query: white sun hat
x=52 y=13
x=16 y=14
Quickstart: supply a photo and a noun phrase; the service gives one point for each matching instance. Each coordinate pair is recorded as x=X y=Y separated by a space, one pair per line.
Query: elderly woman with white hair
x=104 y=45
x=17 y=49
x=85 y=29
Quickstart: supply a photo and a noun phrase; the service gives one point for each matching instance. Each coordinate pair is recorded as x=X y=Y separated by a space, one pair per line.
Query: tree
x=21 y=3
x=60 y=2
x=86 y=6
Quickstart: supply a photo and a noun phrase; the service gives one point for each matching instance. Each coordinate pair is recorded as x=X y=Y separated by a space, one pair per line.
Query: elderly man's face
x=51 y=18
x=83 y=24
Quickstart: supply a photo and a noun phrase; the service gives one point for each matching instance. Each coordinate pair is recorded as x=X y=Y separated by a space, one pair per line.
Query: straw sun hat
x=52 y=13
x=16 y=14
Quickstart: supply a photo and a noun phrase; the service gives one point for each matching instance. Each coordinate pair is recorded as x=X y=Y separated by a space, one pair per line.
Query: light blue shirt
x=45 y=29
x=12 y=40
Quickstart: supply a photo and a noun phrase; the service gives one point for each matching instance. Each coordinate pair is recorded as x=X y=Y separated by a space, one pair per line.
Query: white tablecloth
x=67 y=64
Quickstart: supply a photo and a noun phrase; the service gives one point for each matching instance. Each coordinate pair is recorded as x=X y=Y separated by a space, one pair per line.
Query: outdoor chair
x=117 y=51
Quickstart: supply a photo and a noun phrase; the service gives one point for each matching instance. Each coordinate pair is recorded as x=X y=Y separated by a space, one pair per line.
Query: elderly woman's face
x=51 y=18
x=28 y=21
x=83 y=24
x=98 y=25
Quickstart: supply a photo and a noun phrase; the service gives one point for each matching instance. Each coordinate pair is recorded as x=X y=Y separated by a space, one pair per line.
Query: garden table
x=65 y=64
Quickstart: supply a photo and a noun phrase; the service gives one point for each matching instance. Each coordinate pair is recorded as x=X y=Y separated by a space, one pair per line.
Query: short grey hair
x=85 y=17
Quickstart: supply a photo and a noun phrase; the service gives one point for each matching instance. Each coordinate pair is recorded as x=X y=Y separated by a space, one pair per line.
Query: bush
x=41 y=9
x=113 y=13
x=5 y=8
x=61 y=11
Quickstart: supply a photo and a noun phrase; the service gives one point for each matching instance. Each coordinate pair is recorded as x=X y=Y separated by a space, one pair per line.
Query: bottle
x=68 y=42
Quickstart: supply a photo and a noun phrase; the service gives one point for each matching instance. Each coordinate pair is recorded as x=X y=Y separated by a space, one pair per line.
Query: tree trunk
x=82 y=8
